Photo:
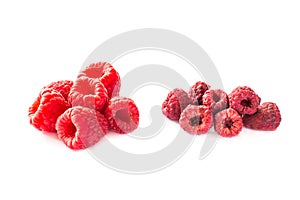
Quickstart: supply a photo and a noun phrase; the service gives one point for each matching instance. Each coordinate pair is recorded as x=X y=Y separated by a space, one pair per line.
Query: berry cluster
x=82 y=112
x=202 y=107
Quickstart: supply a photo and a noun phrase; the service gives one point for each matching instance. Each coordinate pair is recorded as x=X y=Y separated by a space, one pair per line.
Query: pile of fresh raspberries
x=82 y=112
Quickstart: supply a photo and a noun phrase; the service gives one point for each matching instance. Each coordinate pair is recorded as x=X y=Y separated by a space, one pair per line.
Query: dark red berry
x=45 y=110
x=197 y=91
x=88 y=92
x=109 y=77
x=122 y=115
x=63 y=87
x=217 y=100
x=244 y=100
x=266 y=118
x=196 y=119
x=228 y=123
x=80 y=127
x=177 y=100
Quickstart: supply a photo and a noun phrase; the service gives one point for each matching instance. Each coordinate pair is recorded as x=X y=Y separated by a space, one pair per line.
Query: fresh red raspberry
x=88 y=92
x=244 y=100
x=228 y=123
x=109 y=77
x=197 y=91
x=45 y=110
x=62 y=87
x=177 y=100
x=122 y=115
x=196 y=119
x=111 y=81
x=217 y=100
x=266 y=118
x=80 y=127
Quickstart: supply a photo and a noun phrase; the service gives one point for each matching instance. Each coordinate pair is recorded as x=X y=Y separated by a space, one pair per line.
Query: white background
x=255 y=43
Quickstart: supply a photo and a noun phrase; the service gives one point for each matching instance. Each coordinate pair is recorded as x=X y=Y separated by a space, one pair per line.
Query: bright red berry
x=228 y=123
x=177 y=100
x=109 y=77
x=63 y=87
x=45 y=110
x=196 y=119
x=266 y=118
x=88 y=92
x=122 y=115
x=80 y=127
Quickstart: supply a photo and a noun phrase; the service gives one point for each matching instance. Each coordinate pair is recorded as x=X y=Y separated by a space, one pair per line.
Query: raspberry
x=111 y=81
x=80 y=127
x=196 y=119
x=88 y=92
x=228 y=123
x=62 y=87
x=197 y=91
x=244 y=100
x=109 y=77
x=177 y=100
x=217 y=100
x=45 y=110
x=122 y=115
x=266 y=118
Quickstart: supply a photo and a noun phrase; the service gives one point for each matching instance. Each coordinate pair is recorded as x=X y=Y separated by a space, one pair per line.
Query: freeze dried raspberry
x=197 y=91
x=122 y=115
x=217 y=100
x=244 y=100
x=228 y=123
x=62 y=87
x=88 y=92
x=80 y=127
x=196 y=119
x=109 y=77
x=177 y=100
x=266 y=118
x=46 y=109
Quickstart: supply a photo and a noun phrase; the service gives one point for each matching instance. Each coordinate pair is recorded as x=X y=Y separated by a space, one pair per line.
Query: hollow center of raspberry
x=216 y=97
x=246 y=103
x=228 y=123
x=123 y=115
x=195 y=121
x=86 y=89
x=94 y=72
x=70 y=130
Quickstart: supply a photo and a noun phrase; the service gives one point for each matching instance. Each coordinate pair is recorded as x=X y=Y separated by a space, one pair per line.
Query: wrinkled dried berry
x=244 y=100
x=217 y=100
x=177 y=100
x=196 y=119
x=266 y=118
x=197 y=91
x=228 y=123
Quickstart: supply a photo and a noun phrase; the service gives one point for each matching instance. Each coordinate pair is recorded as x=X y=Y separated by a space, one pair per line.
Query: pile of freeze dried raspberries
x=82 y=112
x=201 y=108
